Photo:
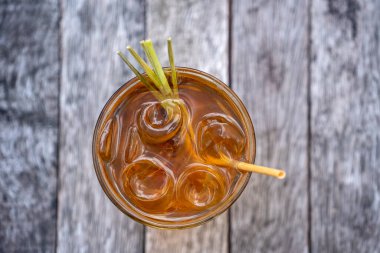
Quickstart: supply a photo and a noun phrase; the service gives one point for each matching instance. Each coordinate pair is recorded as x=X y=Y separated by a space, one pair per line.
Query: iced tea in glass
x=158 y=160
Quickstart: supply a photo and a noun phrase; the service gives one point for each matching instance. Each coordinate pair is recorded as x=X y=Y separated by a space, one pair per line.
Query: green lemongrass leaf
x=150 y=73
x=172 y=66
x=155 y=93
x=158 y=96
x=135 y=71
x=153 y=59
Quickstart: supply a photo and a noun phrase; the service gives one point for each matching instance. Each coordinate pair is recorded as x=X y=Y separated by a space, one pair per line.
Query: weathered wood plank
x=345 y=126
x=269 y=72
x=91 y=72
x=200 y=35
x=29 y=78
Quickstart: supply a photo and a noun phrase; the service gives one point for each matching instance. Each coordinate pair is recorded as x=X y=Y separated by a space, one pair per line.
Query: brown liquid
x=163 y=161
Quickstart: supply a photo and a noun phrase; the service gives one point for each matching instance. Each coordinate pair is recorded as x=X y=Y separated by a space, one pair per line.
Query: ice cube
x=201 y=186
x=106 y=138
x=149 y=184
x=157 y=124
x=133 y=145
x=219 y=134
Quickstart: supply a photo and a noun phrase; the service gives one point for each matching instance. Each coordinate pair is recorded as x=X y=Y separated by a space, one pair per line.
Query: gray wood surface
x=269 y=73
x=345 y=126
x=199 y=30
x=308 y=72
x=29 y=75
x=91 y=72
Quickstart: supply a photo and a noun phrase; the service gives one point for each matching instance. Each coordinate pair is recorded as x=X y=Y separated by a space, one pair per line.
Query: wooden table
x=308 y=72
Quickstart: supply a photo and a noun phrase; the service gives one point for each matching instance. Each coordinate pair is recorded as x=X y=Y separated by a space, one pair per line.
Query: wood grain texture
x=269 y=73
x=199 y=30
x=345 y=126
x=29 y=75
x=91 y=72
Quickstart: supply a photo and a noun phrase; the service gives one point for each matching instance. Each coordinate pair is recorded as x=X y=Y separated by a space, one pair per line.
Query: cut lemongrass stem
x=155 y=93
x=172 y=66
x=280 y=174
x=150 y=73
x=157 y=68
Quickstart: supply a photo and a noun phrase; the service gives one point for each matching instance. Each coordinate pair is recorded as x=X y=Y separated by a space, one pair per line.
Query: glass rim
x=112 y=194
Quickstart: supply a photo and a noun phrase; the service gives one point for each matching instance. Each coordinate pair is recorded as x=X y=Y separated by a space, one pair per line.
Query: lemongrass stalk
x=153 y=59
x=150 y=73
x=172 y=66
x=155 y=93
